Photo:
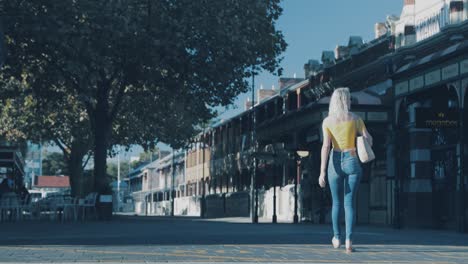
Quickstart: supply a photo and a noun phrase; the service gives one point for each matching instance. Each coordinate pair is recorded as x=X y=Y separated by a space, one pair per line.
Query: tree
x=54 y=164
x=145 y=71
x=28 y=113
x=112 y=169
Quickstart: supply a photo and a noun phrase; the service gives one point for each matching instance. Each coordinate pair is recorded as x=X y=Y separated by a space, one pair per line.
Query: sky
x=310 y=27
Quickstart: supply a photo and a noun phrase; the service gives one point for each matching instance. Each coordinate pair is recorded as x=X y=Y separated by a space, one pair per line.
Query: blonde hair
x=340 y=103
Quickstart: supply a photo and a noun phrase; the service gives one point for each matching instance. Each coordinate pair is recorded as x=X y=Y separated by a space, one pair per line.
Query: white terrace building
x=421 y=19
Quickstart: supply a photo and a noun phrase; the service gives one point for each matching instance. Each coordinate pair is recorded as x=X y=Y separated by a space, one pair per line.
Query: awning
x=362 y=98
x=433 y=56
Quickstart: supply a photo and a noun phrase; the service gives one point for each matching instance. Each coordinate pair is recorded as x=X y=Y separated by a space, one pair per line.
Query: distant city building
x=12 y=163
x=33 y=162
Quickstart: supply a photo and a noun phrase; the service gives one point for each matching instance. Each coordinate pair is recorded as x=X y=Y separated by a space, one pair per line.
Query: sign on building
x=436 y=118
x=429 y=25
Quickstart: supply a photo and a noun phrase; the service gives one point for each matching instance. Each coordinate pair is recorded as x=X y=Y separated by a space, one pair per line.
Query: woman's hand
x=322 y=181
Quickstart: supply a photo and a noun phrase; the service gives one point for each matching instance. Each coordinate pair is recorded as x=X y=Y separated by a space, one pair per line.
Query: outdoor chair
x=32 y=209
x=51 y=207
x=26 y=208
x=70 y=208
x=55 y=207
x=9 y=207
x=43 y=208
x=4 y=209
x=88 y=206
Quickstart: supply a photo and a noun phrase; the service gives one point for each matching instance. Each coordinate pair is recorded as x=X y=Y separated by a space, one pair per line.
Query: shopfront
x=430 y=94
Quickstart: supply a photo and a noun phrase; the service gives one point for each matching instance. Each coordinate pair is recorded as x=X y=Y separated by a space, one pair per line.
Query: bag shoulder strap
x=356 y=125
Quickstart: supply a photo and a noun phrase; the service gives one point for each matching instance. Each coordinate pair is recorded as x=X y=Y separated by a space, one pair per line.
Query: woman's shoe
x=336 y=242
x=349 y=246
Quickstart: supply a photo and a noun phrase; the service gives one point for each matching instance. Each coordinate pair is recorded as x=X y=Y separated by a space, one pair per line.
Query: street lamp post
x=172 y=184
x=397 y=189
x=202 y=205
x=118 y=181
x=462 y=216
x=300 y=154
x=274 y=220
x=253 y=184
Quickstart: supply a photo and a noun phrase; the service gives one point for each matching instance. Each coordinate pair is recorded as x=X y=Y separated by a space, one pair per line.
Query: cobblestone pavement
x=159 y=239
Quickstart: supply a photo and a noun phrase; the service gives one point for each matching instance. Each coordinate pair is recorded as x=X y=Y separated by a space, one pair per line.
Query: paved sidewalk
x=163 y=239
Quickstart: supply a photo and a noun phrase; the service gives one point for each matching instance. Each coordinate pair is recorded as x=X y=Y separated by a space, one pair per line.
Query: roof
x=137 y=172
x=123 y=184
x=295 y=86
x=52 y=181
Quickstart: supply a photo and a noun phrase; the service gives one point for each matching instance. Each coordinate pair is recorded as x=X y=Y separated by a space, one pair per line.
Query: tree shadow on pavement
x=132 y=230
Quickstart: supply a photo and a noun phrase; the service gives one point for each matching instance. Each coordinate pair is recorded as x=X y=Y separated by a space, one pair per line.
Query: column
x=419 y=185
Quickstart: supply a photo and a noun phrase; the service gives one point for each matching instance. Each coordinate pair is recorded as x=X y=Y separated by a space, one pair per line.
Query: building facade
x=33 y=163
x=12 y=164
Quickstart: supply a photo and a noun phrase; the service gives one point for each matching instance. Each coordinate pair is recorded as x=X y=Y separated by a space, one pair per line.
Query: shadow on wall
x=237 y=204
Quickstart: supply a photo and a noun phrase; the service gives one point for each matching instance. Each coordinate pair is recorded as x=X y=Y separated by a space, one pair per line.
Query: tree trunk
x=76 y=175
x=102 y=132
x=100 y=159
x=75 y=166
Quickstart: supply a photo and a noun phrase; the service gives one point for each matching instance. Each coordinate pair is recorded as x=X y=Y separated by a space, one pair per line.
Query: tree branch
x=73 y=80
x=87 y=160
x=63 y=147
x=118 y=102
x=119 y=97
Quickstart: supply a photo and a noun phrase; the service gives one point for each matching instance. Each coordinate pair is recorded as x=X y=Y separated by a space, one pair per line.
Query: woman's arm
x=365 y=133
x=362 y=130
x=324 y=154
x=367 y=136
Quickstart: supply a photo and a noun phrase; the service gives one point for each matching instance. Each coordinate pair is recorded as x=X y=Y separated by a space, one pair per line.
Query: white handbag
x=365 y=152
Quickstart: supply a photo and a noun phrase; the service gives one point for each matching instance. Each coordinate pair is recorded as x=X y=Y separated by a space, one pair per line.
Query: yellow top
x=343 y=134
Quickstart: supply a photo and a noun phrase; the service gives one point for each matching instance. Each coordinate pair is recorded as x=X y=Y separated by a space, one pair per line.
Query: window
x=410 y=30
x=456 y=6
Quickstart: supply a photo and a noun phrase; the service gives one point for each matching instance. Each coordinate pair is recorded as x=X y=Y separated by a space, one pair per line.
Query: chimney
x=456 y=12
x=380 y=30
x=409 y=2
x=341 y=52
x=248 y=104
x=263 y=94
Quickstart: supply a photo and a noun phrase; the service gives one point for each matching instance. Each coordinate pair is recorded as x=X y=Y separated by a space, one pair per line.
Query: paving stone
x=147 y=240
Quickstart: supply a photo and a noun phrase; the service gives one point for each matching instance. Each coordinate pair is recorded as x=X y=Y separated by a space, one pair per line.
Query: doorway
x=444 y=177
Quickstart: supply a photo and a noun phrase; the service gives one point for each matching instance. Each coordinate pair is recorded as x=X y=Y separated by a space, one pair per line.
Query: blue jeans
x=344 y=175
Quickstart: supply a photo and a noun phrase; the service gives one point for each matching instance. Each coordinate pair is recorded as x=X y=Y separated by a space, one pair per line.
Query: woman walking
x=340 y=130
